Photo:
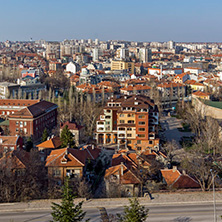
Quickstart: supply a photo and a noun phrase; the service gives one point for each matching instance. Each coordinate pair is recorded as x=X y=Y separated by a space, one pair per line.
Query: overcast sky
x=136 y=20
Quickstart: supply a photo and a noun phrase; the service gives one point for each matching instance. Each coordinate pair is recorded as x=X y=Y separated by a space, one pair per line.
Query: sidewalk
x=159 y=198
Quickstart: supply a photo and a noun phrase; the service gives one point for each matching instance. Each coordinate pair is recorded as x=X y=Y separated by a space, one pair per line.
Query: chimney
x=183 y=172
x=93 y=146
x=174 y=169
x=121 y=169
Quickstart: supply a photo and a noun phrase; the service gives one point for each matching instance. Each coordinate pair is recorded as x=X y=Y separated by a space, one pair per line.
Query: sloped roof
x=185 y=181
x=8 y=140
x=199 y=93
x=52 y=143
x=71 y=126
x=128 y=176
x=17 y=159
x=35 y=109
x=177 y=180
x=170 y=175
x=74 y=157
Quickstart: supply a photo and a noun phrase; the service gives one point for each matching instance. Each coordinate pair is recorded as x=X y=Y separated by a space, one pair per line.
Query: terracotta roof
x=8 y=140
x=170 y=175
x=199 y=93
x=71 y=126
x=185 y=181
x=177 y=180
x=74 y=157
x=17 y=159
x=128 y=176
x=34 y=110
x=52 y=143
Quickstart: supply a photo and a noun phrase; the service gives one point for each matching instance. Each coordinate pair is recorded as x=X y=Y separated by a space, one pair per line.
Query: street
x=180 y=212
x=171 y=125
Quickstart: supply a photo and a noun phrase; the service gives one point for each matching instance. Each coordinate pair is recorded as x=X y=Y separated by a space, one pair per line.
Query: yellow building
x=120 y=65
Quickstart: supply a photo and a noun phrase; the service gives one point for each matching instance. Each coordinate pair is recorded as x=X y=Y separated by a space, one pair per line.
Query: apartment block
x=130 y=122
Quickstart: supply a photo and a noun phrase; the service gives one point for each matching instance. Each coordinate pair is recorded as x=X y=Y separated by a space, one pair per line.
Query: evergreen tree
x=134 y=212
x=67 y=211
x=67 y=138
x=29 y=144
x=45 y=135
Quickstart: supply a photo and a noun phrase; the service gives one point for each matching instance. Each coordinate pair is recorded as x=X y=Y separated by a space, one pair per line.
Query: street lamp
x=215 y=216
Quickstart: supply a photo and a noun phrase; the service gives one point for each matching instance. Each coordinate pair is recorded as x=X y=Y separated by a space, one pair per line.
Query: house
x=32 y=120
x=201 y=95
x=121 y=175
x=181 y=78
x=137 y=89
x=47 y=146
x=69 y=162
x=174 y=179
x=75 y=129
x=10 y=143
x=15 y=161
x=194 y=85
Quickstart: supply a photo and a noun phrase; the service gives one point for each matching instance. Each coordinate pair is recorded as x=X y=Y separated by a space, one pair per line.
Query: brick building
x=130 y=121
x=10 y=106
x=32 y=120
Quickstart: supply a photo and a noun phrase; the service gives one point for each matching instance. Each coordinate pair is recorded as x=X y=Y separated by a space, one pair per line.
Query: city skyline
x=148 y=21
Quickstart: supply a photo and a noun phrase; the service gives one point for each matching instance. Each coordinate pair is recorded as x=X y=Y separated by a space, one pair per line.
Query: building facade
x=32 y=120
x=129 y=121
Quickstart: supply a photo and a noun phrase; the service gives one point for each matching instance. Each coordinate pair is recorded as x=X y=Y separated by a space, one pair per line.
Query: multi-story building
x=121 y=65
x=145 y=55
x=130 y=121
x=32 y=120
x=10 y=106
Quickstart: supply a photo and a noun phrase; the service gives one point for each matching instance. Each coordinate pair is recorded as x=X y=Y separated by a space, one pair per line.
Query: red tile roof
x=52 y=143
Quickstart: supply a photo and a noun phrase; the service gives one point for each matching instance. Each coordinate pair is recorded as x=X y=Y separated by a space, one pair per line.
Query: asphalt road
x=171 y=125
x=201 y=212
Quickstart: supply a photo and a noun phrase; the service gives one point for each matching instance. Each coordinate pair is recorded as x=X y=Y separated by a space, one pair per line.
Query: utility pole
x=215 y=215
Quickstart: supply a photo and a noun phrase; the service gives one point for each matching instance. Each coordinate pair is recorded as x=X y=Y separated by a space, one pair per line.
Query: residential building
x=69 y=162
x=10 y=143
x=76 y=130
x=145 y=55
x=32 y=120
x=121 y=65
x=7 y=89
x=47 y=146
x=129 y=121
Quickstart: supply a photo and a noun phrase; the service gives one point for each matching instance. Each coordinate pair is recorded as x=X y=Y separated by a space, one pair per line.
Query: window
x=12 y=148
x=3 y=112
x=129 y=135
x=130 y=121
x=129 y=141
x=17 y=129
x=121 y=128
x=139 y=148
x=129 y=129
x=141 y=129
x=25 y=123
x=25 y=130
x=56 y=172
x=17 y=123
x=138 y=141
x=141 y=135
x=141 y=123
x=122 y=121
x=121 y=115
x=121 y=135
x=141 y=116
x=150 y=142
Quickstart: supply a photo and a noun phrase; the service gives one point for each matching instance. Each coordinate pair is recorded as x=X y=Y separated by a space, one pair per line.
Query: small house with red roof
x=174 y=179
x=70 y=162
x=75 y=129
